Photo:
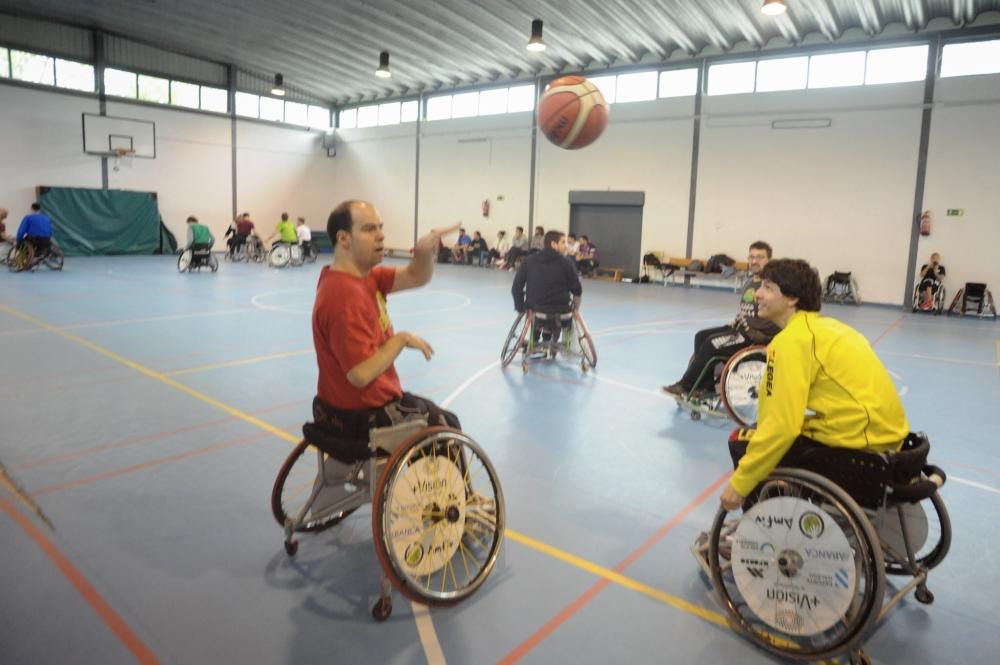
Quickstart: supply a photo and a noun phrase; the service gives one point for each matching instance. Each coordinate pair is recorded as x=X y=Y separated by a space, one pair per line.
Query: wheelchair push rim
x=54 y=259
x=438 y=517
x=515 y=339
x=815 y=556
x=937 y=541
x=279 y=256
x=586 y=342
x=20 y=257
x=293 y=487
x=740 y=380
x=184 y=260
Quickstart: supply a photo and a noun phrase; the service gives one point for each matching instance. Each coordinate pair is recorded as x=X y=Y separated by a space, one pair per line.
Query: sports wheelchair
x=841 y=288
x=938 y=300
x=802 y=573
x=543 y=336
x=26 y=257
x=283 y=254
x=192 y=259
x=728 y=386
x=249 y=249
x=974 y=299
x=438 y=513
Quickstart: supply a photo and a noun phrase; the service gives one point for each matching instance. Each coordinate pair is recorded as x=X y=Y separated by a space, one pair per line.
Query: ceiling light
x=383 y=66
x=773 y=7
x=536 y=43
x=279 y=86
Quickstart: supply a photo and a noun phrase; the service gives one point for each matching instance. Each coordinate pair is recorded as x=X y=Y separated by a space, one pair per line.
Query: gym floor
x=147 y=412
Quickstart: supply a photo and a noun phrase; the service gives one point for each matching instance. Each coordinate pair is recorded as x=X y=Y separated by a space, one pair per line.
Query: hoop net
x=122 y=157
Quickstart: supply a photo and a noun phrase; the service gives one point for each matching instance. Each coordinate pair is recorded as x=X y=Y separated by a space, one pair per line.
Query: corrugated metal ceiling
x=330 y=47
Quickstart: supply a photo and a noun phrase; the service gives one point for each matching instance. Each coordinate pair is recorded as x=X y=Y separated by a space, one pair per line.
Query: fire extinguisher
x=486 y=208
x=925 y=223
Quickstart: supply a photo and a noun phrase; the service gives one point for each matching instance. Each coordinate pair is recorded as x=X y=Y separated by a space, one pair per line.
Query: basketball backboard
x=105 y=135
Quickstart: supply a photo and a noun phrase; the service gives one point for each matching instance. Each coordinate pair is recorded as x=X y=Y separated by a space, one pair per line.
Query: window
x=368 y=116
x=154 y=89
x=439 y=108
x=678 y=83
x=408 y=111
x=465 y=105
x=732 y=78
x=184 y=94
x=782 y=74
x=638 y=87
x=214 y=99
x=348 y=118
x=319 y=117
x=32 y=68
x=120 y=83
x=296 y=114
x=4 y=63
x=74 y=75
x=896 y=65
x=272 y=108
x=837 y=69
x=521 y=98
x=492 y=102
x=388 y=114
x=971 y=58
x=606 y=84
x=247 y=105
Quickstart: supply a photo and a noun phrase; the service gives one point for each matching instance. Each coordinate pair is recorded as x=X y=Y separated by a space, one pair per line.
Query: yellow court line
x=998 y=352
x=234 y=363
x=159 y=376
x=618 y=578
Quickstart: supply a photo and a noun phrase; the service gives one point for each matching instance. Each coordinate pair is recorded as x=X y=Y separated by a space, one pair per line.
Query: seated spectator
x=586 y=257
x=501 y=249
x=537 y=240
x=930 y=281
x=572 y=246
x=518 y=248
x=479 y=251
x=460 y=250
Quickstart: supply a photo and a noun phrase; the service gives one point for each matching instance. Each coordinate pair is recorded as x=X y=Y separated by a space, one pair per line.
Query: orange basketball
x=572 y=113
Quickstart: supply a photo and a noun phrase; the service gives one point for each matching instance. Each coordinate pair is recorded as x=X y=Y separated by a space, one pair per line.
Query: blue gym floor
x=146 y=414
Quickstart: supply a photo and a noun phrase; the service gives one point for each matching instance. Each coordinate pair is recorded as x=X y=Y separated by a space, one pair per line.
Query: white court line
x=972 y=483
x=103 y=324
x=396 y=296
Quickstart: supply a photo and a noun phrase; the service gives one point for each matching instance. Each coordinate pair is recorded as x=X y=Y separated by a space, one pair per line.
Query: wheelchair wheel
x=184 y=260
x=5 y=249
x=21 y=257
x=213 y=262
x=438 y=517
x=279 y=256
x=311 y=253
x=587 y=348
x=293 y=487
x=801 y=573
x=295 y=255
x=54 y=259
x=515 y=340
x=933 y=531
x=739 y=383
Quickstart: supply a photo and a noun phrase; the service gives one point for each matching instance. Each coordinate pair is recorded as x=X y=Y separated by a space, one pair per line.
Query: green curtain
x=95 y=222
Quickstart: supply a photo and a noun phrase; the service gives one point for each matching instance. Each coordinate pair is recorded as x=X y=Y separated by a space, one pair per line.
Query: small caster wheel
x=291 y=547
x=382 y=609
x=695 y=415
x=924 y=595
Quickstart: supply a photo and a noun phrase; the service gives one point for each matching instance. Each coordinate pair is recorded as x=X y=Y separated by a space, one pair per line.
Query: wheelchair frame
x=874 y=557
x=940 y=297
x=841 y=292
x=188 y=261
x=520 y=341
x=283 y=254
x=22 y=257
x=719 y=403
x=468 y=533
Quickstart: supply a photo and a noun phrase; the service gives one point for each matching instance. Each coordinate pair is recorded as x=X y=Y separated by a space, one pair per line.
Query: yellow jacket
x=823 y=381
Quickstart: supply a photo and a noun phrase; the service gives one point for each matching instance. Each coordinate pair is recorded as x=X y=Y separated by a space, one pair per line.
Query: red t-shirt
x=350 y=322
x=244 y=228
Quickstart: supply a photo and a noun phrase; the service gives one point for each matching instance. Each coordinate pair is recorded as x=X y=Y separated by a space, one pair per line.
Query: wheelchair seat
x=347 y=451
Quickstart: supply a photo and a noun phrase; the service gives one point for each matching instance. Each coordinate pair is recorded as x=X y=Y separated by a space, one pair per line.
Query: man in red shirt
x=356 y=346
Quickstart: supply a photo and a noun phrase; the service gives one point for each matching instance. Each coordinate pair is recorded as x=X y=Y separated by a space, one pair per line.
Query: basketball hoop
x=122 y=157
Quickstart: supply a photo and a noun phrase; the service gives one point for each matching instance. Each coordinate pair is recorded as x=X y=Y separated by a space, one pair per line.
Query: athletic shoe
x=675 y=389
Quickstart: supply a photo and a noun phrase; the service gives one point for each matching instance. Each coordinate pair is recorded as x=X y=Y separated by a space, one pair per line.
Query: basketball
x=572 y=113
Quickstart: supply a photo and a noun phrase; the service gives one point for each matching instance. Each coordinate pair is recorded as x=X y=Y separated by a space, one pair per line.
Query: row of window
x=45 y=70
x=830 y=70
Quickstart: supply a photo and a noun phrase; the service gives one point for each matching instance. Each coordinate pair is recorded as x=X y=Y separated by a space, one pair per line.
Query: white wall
x=840 y=197
x=41 y=143
x=963 y=166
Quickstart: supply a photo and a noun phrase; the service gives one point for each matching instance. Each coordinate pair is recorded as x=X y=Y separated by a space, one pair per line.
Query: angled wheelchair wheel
x=438 y=517
x=515 y=339
x=213 y=262
x=296 y=257
x=21 y=257
x=279 y=256
x=931 y=531
x=184 y=260
x=311 y=253
x=586 y=342
x=5 y=250
x=294 y=486
x=54 y=259
x=739 y=384
x=800 y=574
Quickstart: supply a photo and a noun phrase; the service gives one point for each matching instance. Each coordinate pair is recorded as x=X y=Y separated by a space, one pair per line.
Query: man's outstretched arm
x=420 y=268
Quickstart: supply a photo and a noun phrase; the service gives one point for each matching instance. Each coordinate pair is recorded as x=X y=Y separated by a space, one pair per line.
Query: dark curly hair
x=796 y=279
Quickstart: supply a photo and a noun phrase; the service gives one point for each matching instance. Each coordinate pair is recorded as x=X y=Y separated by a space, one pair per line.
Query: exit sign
x=956 y=212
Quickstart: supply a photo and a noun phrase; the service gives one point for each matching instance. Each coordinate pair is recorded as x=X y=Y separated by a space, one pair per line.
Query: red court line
x=228 y=443
x=542 y=633
x=892 y=326
x=107 y=614
x=85 y=452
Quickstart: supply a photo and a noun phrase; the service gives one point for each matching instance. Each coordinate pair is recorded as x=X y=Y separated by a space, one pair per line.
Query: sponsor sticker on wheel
x=793 y=565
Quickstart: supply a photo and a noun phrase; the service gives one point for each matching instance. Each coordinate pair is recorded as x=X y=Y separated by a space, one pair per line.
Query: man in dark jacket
x=547 y=281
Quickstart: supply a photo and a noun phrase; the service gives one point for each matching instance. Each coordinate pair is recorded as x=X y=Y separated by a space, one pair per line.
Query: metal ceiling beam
x=648 y=42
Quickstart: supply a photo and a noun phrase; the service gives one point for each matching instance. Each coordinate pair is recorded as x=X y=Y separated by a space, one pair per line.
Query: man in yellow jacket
x=824 y=385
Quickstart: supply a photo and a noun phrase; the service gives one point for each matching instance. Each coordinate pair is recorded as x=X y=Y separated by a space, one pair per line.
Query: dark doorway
x=613 y=222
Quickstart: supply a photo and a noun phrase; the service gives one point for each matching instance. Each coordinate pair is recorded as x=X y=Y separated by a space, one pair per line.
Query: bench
x=611 y=274
x=684 y=271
